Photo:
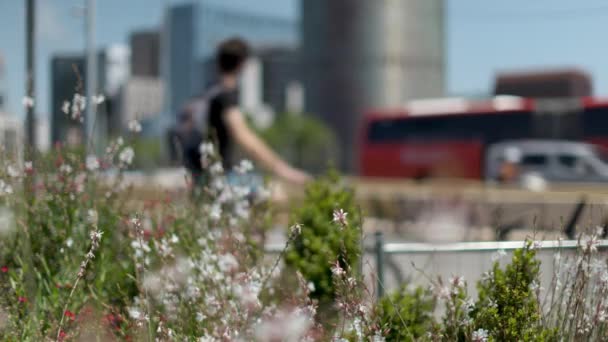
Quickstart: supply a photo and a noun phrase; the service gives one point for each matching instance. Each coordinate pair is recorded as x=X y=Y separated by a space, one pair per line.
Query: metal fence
x=445 y=258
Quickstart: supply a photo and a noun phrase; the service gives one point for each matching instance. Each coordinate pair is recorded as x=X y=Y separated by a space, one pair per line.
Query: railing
x=382 y=250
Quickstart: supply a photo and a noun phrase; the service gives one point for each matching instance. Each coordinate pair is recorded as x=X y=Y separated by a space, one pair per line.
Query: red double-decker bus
x=449 y=137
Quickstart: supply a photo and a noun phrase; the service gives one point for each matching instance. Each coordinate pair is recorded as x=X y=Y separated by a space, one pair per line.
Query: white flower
x=206 y=149
x=96 y=235
x=200 y=317
x=480 y=335
x=7 y=189
x=65 y=168
x=590 y=242
x=378 y=338
x=340 y=217
x=296 y=229
x=126 y=155
x=12 y=171
x=28 y=166
x=337 y=270
x=92 y=216
x=216 y=212
x=227 y=262
x=99 y=99
x=602 y=316
x=311 y=286
x=174 y=238
x=216 y=168
x=69 y=242
x=498 y=255
x=534 y=286
x=79 y=103
x=92 y=163
x=244 y=167
x=135 y=313
x=457 y=281
x=119 y=141
x=66 y=107
x=28 y=102
x=134 y=126
x=284 y=326
x=469 y=304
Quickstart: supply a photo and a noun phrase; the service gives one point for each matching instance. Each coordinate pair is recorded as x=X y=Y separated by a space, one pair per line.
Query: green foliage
x=508 y=307
x=302 y=140
x=48 y=241
x=323 y=242
x=408 y=313
x=148 y=152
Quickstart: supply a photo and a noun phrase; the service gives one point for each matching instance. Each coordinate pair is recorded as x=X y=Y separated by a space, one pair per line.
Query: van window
x=576 y=164
x=534 y=160
x=567 y=161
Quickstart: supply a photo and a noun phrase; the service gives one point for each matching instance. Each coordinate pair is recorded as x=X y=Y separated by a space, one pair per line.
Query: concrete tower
x=360 y=54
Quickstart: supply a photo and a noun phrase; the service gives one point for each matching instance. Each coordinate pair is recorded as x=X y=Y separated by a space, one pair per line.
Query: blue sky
x=482 y=36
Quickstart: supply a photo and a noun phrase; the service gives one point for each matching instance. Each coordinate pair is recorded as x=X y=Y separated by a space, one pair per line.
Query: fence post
x=379 y=249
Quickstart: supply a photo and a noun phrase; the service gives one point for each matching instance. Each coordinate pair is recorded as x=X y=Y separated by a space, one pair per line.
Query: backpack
x=187 y=140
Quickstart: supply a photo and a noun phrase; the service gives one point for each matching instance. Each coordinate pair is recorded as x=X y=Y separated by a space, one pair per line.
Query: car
x=553 y=160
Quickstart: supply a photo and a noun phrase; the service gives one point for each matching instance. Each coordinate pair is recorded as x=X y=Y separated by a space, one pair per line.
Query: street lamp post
x=91 y=74
x=30 y=78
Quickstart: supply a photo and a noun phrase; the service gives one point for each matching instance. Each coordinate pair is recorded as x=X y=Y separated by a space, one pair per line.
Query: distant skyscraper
x=145 y=54
x=115 y=75
x=191 y=34
x=360 y=54
x=68 y=75
x=141 y=99
x=279 y=70
x=67 y=78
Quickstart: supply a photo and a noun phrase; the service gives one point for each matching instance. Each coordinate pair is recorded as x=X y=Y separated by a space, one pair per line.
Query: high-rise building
x=114 y=74
x=68 y=77
x=191 y=33
x=68 y=74
x=145 y=54
x=141 y=99
x=279 y=71
x=359 y=54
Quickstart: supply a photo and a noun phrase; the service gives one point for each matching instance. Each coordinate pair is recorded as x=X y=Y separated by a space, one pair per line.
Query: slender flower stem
x=95 y=237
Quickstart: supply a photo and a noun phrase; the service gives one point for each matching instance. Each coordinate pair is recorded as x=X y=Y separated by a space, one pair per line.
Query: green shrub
x=323 y=242
x=508 y=307
x=302 y=140
x=408 y=313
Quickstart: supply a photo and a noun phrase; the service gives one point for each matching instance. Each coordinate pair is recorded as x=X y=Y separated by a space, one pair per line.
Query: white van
x=553 y=160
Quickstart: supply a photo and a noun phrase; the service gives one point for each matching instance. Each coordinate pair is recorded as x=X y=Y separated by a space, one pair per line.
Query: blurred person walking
x=225 y=122
x=509 y=168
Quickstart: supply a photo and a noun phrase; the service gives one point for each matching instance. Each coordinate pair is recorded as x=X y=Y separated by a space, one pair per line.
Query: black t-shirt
x=219 y=134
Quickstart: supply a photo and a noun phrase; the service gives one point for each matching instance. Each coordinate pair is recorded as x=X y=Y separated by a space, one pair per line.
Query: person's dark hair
x=231 y=54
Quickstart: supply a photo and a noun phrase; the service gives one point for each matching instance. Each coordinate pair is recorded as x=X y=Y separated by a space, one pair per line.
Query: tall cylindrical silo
x=360 y=54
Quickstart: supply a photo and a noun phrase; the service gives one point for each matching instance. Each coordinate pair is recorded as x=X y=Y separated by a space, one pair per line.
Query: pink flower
x=340 y=217
x=22 y=300
x=4 y=269
x=69 y=314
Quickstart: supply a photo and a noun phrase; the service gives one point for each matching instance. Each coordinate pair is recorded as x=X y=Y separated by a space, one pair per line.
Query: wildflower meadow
x=83 y=258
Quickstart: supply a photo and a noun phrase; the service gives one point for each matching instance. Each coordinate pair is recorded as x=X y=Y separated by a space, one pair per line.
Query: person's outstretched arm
x=259 y=151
